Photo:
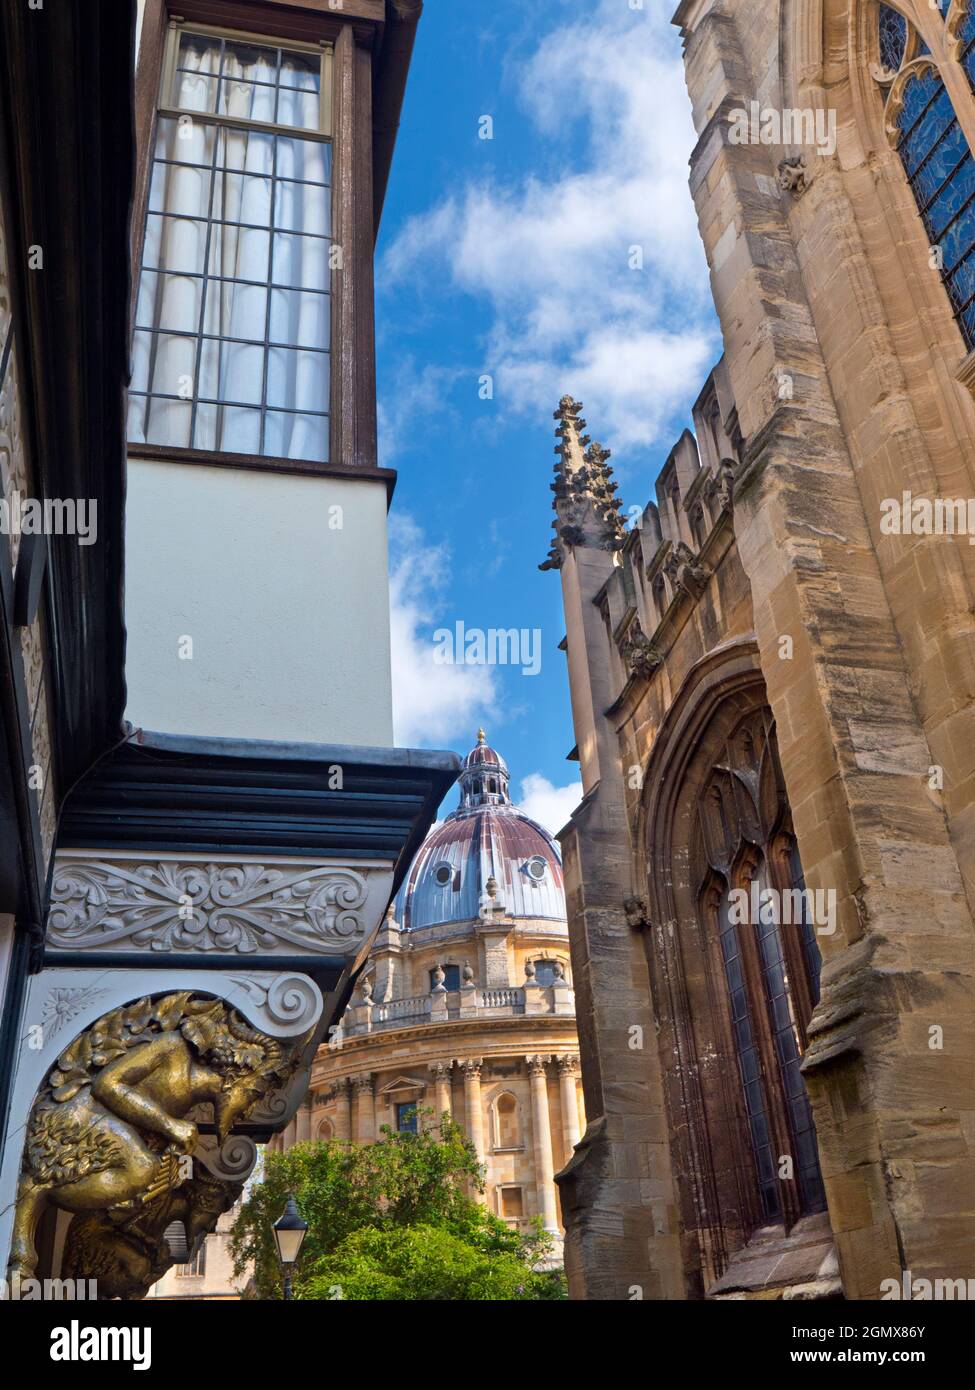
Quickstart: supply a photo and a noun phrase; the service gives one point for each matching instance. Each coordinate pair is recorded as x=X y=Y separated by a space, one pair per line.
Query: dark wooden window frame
x=352 y=31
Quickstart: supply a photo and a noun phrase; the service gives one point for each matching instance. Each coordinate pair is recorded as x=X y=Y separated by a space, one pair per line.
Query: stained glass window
x=935 y=153
x=893 y=38
x=967 y=36
x=940 y=170
x=778 y=998
x=749 y=1067
x=770 y=962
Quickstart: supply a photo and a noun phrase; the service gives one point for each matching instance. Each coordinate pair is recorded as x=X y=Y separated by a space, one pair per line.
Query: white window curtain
x=231 y=348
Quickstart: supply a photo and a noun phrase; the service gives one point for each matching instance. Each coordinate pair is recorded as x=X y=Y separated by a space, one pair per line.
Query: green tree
x=424 y=1263
x=391 y=1220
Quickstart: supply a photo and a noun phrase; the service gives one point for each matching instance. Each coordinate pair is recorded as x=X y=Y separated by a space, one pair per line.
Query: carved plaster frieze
x=286 y=1005
x=62 y=1005
x=182 y=904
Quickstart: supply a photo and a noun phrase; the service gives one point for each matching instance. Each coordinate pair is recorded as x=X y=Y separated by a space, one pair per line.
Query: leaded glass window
x=750 y=1068
x=923 y=125
x=769 y=959
x=231 y=347
x=893 y=38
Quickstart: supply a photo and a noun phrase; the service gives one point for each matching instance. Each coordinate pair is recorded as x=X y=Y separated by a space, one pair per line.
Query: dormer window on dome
x=442 y=874
x=536 y=868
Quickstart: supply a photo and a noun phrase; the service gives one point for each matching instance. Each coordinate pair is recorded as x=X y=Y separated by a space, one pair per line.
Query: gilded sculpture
x=111 y=1135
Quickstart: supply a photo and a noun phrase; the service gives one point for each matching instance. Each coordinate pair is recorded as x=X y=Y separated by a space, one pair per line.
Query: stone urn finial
x=365 y=989
x=467 y=974
x=558 y=970
x=438 y=979
x=530 y=972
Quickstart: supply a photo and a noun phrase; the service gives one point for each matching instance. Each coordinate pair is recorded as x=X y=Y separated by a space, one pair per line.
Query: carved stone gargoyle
x=684 y=571
x=641 y=656
x=110 y=1138
x=636 y=913
x=794 y=176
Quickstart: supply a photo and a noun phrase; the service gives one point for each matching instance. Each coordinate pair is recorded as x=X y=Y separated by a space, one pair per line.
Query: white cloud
x=432 y=703
x=552 y=255
x=551 y=806
x=413 y=391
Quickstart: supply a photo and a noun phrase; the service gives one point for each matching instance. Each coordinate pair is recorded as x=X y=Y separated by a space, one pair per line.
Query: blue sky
x=514 y=257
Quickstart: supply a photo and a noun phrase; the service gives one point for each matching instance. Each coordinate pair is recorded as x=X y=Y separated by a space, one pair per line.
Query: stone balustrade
x=512 y=1000
x=367 y=1015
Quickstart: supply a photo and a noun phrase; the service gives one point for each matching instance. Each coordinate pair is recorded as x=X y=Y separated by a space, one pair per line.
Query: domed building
x=466 y=1005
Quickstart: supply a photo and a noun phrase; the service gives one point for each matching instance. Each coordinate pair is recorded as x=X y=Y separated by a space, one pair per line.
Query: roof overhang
x=215 y=795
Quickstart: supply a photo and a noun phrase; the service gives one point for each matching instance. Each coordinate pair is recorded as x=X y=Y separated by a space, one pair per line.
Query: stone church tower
x=771 y=678
x=466 y=1005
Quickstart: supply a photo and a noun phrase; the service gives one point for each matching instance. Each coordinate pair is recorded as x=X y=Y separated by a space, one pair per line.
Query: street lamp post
x=289 y=1232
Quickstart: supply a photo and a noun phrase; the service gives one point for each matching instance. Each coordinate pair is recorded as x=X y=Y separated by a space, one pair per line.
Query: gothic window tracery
x=923 y=51
x=746 y=865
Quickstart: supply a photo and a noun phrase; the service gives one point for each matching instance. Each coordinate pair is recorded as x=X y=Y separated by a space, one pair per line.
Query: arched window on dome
x=922 y=52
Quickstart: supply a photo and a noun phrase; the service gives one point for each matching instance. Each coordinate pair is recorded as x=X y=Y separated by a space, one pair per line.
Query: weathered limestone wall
x=879 y=687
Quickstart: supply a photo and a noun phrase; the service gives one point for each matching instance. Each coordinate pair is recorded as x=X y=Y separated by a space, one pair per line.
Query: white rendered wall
x=288 y=616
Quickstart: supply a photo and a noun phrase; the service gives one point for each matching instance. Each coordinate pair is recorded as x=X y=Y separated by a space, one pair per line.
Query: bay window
x=232 y=338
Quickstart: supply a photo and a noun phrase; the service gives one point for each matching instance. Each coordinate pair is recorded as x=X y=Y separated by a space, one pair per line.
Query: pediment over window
x=398 y=1088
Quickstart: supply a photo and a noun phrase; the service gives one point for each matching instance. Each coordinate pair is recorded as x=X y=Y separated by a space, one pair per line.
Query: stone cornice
x=481 y=1037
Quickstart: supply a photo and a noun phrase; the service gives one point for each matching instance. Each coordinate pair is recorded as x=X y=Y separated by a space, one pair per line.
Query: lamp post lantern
x=289 y=1232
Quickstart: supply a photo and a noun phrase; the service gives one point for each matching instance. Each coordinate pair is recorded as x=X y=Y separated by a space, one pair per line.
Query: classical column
x=542 y=1143
x=473 y=1111
x=365 y=1090
x=303 y=1122
x=570 y=1102
x=342 y=1092
x=441 y=1082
